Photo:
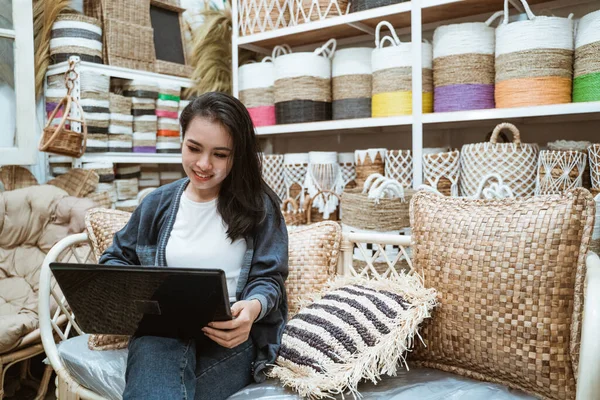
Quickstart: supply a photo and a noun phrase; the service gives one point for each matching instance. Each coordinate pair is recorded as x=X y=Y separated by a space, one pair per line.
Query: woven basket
x=559 y=171
x=129 y=46
x=352 y=83
x=586 y=82
x=294 y=173
x=102 y=199
x=256 y=83
x=76 y=35
x=15 y=177
x=291 y=213
x=594 y=156
x=313 y=215
x=515 y=162
x=463 y=66
x=257 y=16
x=348 y=169
x=392 y=75
x=272 y=173
x=534 y=60
x=60 y=140
x=399 y=166
x=303 y=85
x=574 y=145
x=304 y=11
x=323 y=174
x=359 y=211
x=368 y=162
x=442 y=172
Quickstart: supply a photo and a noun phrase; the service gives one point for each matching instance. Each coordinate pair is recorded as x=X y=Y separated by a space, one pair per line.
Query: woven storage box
x=126 y=188
x=352 y=83
x=272 y=173
x=119 y=104
x=294 y=173
x=94 y=85
x=586 y=83
x=392 y=75
x=534 y=60
x=141 y=89
x=498 y=319
x=105 y=170
x=368 y=162
x=594 y=157
x=76 y=35
x=171 y=176
x=399 y=166
x=128 y=171
x=96 y=143
x=515 y=162
x=167 y=103
x=323 y=175
x=168 y=144
x=388 y=215
x=348 y=169
x=134 y=12
x=304 y=11
x=145 y=123
x=97 y=114
x=144 y=142
x=128 y=45
x=303 y=85
x=150 y=177
x=257 y=16
x=442 y=172
x=292 y=213
x=120 y=124
x=463 y=67
x=120 y=143
x=257 y=82
x=559 y=171
x=109 y=188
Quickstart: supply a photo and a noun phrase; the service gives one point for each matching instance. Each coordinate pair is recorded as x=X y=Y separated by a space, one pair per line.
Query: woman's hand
x=235 y=332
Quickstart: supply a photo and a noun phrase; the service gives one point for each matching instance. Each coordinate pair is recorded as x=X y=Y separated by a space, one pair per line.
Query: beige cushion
x=510 y=275
x=313 y=256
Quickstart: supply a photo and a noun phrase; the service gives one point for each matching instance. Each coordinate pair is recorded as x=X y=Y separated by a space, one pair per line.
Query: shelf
x=123 y=73
x=443 y=10
x=344 y=26
x=338 y=125
x=132 y=158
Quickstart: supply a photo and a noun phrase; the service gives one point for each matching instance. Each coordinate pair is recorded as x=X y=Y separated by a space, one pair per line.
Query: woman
x=222 y=215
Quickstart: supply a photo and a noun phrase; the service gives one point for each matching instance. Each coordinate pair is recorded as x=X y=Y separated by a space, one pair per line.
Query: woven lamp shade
x=534 y=60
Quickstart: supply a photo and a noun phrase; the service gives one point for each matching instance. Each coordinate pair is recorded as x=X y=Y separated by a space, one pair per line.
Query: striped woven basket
x=515 y=163
x=76 y=35
x=352 y=83
x=463 y=66
x=559 y=171
x=257 y=16
x=303 y=85
x=392 y=75
x=167 y=103
x=586 y=85
x=534 y=60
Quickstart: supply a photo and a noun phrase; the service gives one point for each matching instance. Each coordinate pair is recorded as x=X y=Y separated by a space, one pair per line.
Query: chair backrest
x=362 y=254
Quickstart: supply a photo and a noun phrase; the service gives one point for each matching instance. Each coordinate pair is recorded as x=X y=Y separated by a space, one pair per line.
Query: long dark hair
x=241 y=198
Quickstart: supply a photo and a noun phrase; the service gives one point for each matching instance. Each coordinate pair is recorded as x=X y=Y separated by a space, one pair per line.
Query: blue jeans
x=163 y=368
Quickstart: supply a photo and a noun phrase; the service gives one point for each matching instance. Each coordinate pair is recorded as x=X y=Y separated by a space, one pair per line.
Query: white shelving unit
x=415 y=18
x=122 y=73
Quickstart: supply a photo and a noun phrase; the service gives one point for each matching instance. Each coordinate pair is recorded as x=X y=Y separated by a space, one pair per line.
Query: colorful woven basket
x=352 y=83
x=586 y=85
x=392 y=75
x=463 y=66
x=303 y=85
x=534 y=60
x=76 y=35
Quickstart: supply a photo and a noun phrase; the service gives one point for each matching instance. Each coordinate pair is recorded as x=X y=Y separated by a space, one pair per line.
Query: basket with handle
x=292 y=214
x=515 y=162
x=61 y=139
x=312 y=213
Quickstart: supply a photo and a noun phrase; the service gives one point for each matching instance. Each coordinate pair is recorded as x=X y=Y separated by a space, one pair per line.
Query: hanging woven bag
x=303 y=85
x=515 y=163
x=534 y=60
x=392 y=75
x=586 y=83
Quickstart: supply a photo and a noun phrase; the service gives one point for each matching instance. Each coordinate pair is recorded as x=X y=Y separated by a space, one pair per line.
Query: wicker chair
x=77 y=245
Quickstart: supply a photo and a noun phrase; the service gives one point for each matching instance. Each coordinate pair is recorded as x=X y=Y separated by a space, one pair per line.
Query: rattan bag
x=515 y=162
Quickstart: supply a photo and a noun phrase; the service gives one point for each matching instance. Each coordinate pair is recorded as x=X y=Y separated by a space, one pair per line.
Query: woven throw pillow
x=510 y=275
x=313 y=257
x=355 y=329
x=101 y=226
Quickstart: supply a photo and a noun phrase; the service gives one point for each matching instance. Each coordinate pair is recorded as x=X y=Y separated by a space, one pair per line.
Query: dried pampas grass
x=211 y=53
x=45 y=13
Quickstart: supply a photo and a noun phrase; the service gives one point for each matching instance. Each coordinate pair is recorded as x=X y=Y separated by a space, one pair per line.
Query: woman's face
x=207 y=158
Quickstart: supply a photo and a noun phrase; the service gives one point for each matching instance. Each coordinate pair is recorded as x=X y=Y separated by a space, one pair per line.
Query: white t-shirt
x=199 y=240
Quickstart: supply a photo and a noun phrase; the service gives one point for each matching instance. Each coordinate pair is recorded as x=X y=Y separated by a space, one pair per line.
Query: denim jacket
x=144 y=239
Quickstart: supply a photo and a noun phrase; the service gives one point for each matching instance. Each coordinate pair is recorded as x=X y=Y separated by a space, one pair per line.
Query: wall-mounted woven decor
x=392 y=75
x=586 y=85
x=352 y=83
x=534 y=60
x=463 y=66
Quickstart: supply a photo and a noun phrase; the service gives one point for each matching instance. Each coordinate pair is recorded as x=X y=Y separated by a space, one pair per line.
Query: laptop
x=143 y=300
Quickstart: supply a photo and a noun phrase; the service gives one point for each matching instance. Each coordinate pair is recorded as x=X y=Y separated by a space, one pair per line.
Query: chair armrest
x=588 y=381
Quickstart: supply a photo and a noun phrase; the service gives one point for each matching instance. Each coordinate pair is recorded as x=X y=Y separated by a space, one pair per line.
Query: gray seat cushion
x=103 y=372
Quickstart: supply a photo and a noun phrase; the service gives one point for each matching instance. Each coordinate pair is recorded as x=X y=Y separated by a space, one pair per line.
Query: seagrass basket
x=361 y=212
x=312 y=213
x=292 y=214
x=61 y=139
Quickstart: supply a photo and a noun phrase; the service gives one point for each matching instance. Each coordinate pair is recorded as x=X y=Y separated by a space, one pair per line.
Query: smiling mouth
x=202 y=176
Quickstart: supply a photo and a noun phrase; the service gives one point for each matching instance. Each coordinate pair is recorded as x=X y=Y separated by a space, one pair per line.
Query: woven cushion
x=358 y=329
x=101 y=225
x=313 y=256
x=510 y=275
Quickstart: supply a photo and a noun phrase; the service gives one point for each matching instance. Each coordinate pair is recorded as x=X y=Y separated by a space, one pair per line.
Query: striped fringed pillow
x=356 y=329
